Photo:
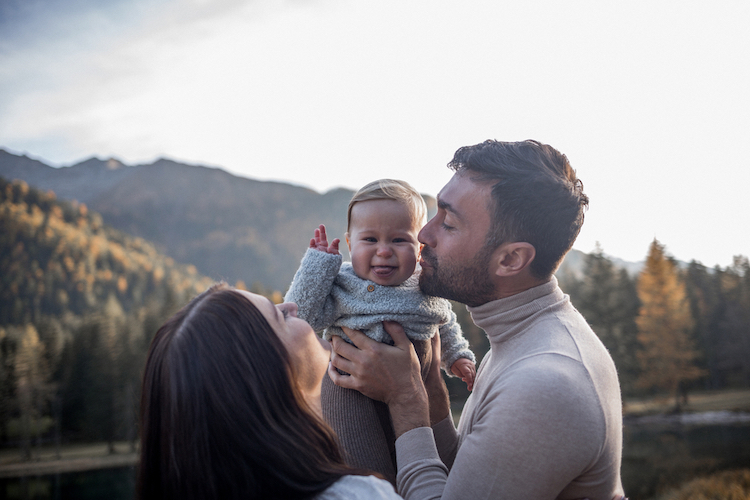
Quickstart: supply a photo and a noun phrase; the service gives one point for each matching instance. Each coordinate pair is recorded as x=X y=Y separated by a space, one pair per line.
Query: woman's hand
x=390 y=374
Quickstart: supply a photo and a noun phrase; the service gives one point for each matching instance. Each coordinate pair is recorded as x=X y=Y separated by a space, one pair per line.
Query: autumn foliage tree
x=667 y=354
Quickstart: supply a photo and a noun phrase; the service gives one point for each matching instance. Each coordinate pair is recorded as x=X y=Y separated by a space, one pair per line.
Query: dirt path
x=71 y=458
x=67 y=465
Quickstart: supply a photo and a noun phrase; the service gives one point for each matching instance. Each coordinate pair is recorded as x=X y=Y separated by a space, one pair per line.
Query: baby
x=381 y=283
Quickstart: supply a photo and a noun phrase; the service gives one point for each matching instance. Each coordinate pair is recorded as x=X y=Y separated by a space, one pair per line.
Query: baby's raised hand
x=320 y=242
x=465 y=369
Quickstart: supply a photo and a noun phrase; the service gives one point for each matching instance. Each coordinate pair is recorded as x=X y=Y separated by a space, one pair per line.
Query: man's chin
x=427 y=282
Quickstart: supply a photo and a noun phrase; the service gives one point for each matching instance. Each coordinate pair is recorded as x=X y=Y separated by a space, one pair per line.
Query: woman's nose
x=291 y=308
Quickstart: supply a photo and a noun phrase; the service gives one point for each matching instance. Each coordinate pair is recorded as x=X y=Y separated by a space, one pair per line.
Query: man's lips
x=425 y=263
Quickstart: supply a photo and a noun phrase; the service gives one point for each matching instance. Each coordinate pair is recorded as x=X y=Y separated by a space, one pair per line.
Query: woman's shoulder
x=369 y=487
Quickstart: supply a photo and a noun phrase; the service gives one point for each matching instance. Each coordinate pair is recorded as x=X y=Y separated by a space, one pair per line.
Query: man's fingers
x=340 y=380
x=343 y=354
x=396 y=331
x=358 y=338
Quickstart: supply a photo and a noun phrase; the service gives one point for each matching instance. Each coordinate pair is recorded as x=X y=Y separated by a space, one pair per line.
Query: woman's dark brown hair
x=220 y=415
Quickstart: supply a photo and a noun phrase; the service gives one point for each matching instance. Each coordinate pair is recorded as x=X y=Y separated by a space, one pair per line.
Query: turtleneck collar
x=503 y=318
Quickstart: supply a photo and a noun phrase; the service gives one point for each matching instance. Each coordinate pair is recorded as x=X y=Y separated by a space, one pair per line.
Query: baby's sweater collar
x=503 y=318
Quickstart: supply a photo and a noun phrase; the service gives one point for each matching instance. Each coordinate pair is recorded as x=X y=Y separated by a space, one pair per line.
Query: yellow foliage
x=122 y=284
x=664 y=324
x=726 y=485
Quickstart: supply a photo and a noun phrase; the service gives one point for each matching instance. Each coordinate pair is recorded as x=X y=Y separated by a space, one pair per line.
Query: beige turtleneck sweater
x=544 y=420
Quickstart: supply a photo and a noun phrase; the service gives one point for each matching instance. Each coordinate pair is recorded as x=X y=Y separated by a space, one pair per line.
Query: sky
x=649 y=100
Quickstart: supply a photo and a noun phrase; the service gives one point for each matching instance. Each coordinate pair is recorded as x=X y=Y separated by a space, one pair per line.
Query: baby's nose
x=384 y=250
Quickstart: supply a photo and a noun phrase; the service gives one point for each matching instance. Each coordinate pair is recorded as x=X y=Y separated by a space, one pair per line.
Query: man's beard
x=469 y=284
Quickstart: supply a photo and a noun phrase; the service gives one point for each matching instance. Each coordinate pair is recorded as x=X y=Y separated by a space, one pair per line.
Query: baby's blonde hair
x=391 y=189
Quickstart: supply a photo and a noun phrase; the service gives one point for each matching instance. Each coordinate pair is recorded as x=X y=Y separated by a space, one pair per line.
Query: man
x=544 y=419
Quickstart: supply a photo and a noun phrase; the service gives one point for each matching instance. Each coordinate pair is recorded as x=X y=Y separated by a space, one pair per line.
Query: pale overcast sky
x=648 y=99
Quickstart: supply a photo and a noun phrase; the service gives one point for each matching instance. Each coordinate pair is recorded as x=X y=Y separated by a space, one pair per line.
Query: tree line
x=80 y=302
x=671 y=328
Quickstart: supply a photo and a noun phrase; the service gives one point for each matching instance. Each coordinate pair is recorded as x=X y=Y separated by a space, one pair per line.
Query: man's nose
x=425 y=235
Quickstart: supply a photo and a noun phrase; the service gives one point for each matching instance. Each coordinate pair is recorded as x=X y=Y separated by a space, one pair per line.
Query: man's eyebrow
x=448 y=208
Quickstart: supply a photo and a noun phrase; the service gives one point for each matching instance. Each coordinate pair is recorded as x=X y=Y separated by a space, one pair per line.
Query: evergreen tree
x=607 y=298
x=667 y=355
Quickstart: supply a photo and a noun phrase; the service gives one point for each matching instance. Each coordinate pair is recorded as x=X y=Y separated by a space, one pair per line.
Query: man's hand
x=437 y=392
x=390 y=374
x=320 y=242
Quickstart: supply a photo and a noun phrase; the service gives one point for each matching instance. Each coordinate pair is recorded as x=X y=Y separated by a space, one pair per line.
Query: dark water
x=108 y=484
x=659 y=456
x=656 y=455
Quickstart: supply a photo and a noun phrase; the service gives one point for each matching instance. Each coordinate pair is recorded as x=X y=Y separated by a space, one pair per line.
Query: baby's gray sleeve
x=311 y=288
x=453 y=344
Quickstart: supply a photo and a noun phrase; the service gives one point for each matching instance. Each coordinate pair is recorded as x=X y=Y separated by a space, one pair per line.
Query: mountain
x=229 y=227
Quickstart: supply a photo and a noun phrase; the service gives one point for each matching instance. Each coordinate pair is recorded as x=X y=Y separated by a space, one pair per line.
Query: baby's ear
x=348 y=242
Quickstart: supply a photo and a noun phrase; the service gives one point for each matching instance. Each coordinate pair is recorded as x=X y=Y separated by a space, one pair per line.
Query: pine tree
x=608 y=300
x=667 y=356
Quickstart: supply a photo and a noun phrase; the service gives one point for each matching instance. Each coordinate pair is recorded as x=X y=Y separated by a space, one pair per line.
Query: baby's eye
x=371 y=240
x=399 y=240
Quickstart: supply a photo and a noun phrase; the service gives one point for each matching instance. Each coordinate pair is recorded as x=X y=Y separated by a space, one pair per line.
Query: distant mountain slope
x=229 y=227
x=57 y=257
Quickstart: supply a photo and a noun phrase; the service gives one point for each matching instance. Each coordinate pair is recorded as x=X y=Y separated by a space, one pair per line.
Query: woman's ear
x=512 y=258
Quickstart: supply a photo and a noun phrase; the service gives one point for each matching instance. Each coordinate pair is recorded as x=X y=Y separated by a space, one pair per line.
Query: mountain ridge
x=231 y=228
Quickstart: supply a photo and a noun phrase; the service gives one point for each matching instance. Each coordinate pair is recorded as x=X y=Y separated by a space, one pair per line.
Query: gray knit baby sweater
x=329 y=295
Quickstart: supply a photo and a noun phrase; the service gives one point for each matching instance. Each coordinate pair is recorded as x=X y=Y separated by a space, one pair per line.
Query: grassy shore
x=698 y=402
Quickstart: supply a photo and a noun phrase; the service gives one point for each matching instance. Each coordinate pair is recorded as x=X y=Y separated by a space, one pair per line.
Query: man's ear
x=512 y=258
x=348 y=243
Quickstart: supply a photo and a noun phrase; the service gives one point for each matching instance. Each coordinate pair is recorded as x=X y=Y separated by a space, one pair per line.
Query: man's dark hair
x=536 y=197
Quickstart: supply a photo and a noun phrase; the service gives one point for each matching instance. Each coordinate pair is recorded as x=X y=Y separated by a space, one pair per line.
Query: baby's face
x=383 y=242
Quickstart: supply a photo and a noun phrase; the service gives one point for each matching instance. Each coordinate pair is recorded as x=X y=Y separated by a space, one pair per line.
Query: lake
x=658 y=452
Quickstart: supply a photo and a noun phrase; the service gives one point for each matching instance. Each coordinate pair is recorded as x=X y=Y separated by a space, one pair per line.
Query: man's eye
x=447 y=227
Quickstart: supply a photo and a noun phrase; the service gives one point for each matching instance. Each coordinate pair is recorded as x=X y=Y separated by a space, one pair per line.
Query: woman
x=231 y=407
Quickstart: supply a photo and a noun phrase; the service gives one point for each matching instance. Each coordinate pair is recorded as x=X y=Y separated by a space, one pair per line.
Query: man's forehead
x=462 y=188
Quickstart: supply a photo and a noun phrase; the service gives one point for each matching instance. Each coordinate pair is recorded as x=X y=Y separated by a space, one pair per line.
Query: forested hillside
x=79 y=303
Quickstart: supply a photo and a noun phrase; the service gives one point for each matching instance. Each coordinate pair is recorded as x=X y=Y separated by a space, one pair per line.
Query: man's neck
x=508 y=288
